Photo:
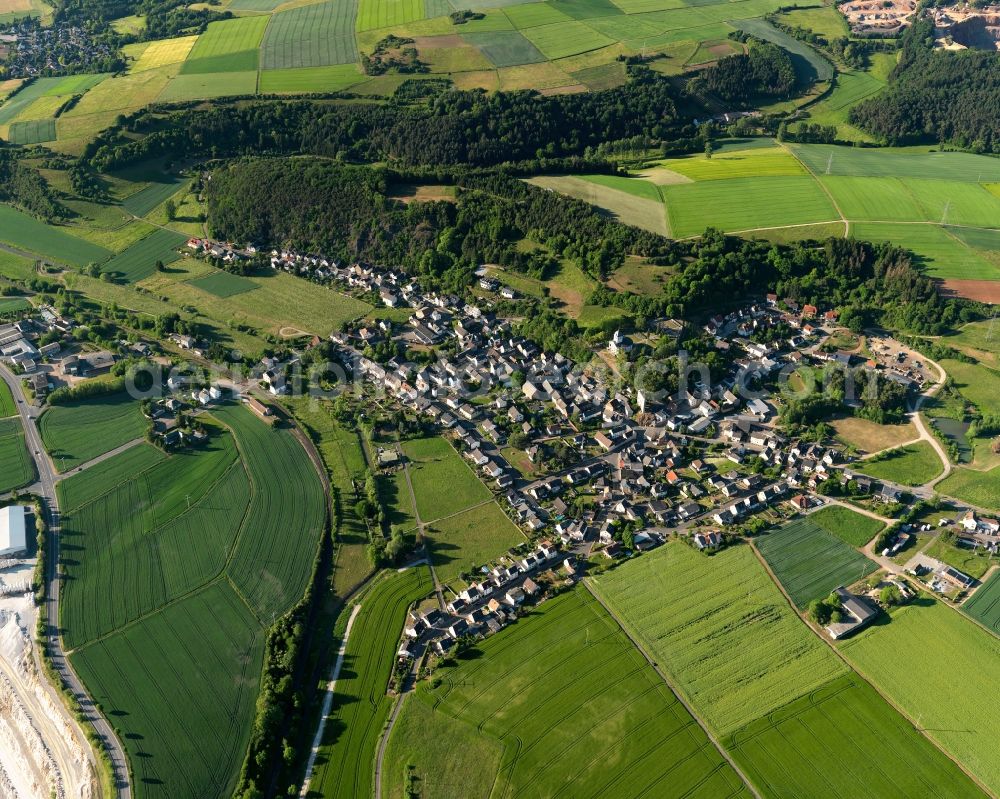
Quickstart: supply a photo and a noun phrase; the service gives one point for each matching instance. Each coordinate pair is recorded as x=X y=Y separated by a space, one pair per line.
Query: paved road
x=46 y=490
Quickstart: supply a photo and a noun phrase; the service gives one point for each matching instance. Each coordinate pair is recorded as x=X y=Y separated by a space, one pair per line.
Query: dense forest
x=450 y=127
x=943 y=95
x=164 y=18
x=24 y=187
x=764 y=72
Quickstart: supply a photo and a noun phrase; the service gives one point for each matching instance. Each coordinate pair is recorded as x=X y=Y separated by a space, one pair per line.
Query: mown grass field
x=867 y=436
x=948 y=666
x=801 y=749
x=721 y=628
x=848 y=526
x=224 y=284
x=442 y=481
x=139 y=261
x=470 y=539
x=16 y=467
x=76 y=433
x=309 y=79
x=345 y=764
x=230 y=45
x=984 y=605
x=560 y=703
x=175 y=566
x=810 y=562
x=27 y=233
x=911 y=465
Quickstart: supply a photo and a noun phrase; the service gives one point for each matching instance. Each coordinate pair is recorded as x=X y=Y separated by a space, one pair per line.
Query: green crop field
x=32 y=131
x=227 y=46
x=103 y=477
x=505 y=48
x=16 y=467
x=751 y=163
x=854 y=528
x=883 y=199
x=830 y=159
x=345 y=764
x=13 y=305
x=14 y=267
x=721 y=628
x=310 y=79
x=149 y=197
x=224 y=284
x=7 y=405
x=948 y=660
x=375 y=14
x=810 y=562
x=801 y=749
x=74 y=434
x=311 y=36
x=566 y=38
x=208 y=86
x=809 y=64
x=148 y=542
x=969 y=485
x=181 y=687
x=940 y=251
x=746 y=203
x=912 y=465
x=470 y=539
x=139 y=261
x=443 y=482
x=984 y=605
x=559 y=704
x=28 y=233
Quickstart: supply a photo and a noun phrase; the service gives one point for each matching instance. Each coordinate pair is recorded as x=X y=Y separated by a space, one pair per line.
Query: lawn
x=139 y=261
x=174 y=573
x=810 y=562
x=746 y=203
x=984 y=605
x=974 y=487
x=224 y=284
x=470 y=539
x=800 y=750
x=443 y=482
x=912 y=465
x=76 y=433
x=721 y=628
x=311 y=36
x=974 y=562
x=866 y=436
x=938 y=667
x=16 y=467
x=344 y=766
x=26 y=232
x=559 y=704
x=849 y=526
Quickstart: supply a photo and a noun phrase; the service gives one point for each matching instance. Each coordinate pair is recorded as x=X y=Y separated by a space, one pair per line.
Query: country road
x=46 y=490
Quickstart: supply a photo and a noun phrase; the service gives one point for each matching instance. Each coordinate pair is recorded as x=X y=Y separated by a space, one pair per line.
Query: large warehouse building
x=13 y=527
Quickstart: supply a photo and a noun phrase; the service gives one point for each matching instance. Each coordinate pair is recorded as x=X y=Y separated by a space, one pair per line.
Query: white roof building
x=12 y=530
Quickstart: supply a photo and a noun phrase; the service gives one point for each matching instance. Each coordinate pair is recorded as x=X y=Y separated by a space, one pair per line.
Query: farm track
x=715 y=742
x=121 y=774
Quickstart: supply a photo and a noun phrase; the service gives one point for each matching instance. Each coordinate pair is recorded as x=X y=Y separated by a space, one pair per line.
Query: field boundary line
x=852 y=668
x=829 y=194
x=680 y=698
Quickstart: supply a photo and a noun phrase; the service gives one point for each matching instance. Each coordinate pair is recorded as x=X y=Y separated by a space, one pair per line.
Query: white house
x=13 y=538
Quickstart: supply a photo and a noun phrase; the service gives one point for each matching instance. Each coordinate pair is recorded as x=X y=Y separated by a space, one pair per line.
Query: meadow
x=560 y=703
x=175 y=566
x=14 y=267
x=721 y=628
x=850 y=527
x=230 y=45
x=975 y=487
x=74 y=434
x=801 y=749
x=984 y=605
x=910 y=465
x=442 y=481
x=810 y=562
x=28 y=233
x=470 y=539
x=16 y=467
x=138 y=261
x=937 y=666
x=345 y=766
x=632 y=201
x=310 y=79
x=867 y=436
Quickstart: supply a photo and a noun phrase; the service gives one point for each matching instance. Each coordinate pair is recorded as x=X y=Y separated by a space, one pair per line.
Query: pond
x=955 y=431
